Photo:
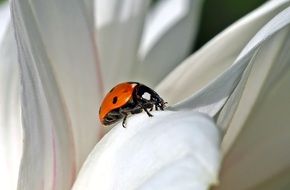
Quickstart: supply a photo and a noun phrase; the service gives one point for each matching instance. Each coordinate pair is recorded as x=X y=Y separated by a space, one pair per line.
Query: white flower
x=53 y=82
x=173 y=150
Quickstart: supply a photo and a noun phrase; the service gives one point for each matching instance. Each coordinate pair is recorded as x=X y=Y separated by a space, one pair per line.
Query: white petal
x=168 y=37
x=250 y=57
x=216 y=56
x=119 y=29
x=4 y=18
x=172 y=150
x=10 y=119
x=257 y=140
x=89 y=11
x=59 y=76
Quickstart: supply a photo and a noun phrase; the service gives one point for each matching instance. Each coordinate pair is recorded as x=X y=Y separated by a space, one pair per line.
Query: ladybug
x=128 y=98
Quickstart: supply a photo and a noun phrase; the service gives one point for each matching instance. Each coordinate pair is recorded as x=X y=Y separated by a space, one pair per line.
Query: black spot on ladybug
x=115 y=99
x=112 y=89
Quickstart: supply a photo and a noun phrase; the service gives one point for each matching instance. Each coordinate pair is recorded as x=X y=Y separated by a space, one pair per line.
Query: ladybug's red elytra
x=128 y=98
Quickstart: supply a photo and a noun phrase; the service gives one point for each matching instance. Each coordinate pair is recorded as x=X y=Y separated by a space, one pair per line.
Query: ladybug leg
x=125 y=115
x=124 y=121
x=146 y=105
x=156 y=107
x=148 y=113
x=161 y=106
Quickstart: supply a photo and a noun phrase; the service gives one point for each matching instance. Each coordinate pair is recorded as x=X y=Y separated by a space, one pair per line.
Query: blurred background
x=217 y=15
